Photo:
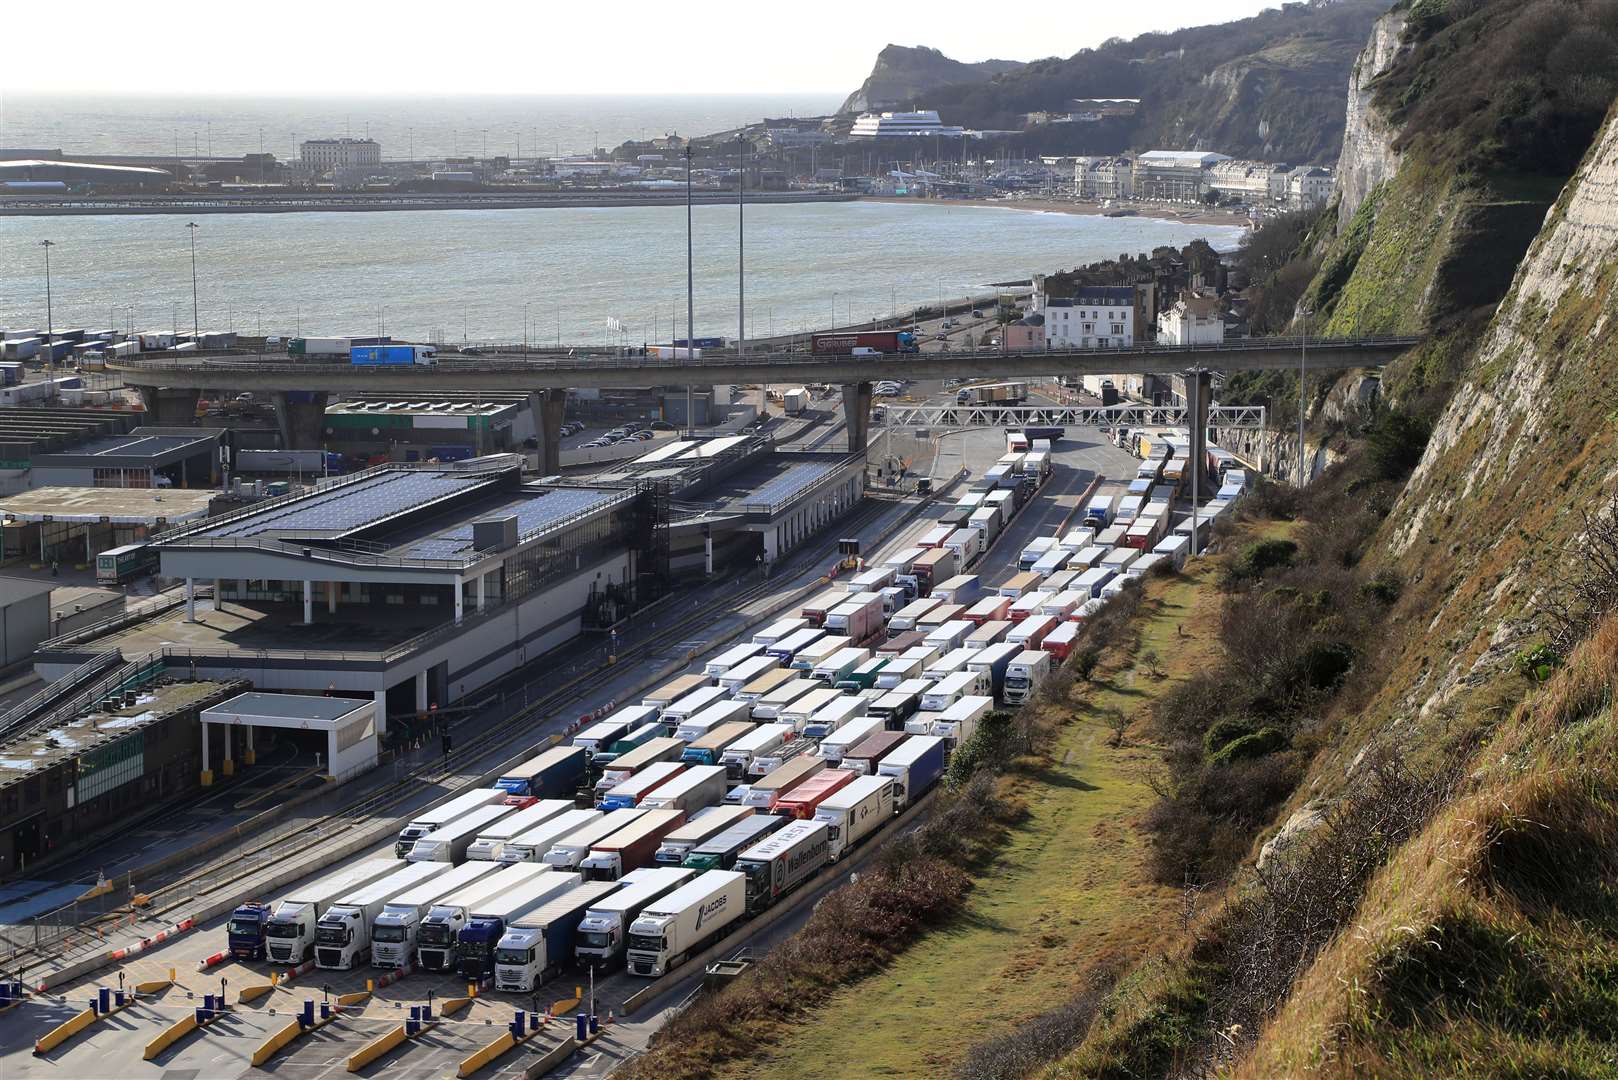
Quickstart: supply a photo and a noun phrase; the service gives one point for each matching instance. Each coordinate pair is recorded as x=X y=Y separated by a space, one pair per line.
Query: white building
x=1254 y=182
x=897 y=125
x=1193 y=320
x=1094 y=317
x=1174 y=175
x=1309 y=185
x=1110 y=177
x=323 y=155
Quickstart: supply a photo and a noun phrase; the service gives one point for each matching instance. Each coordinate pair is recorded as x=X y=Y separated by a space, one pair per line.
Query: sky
x=544 y=47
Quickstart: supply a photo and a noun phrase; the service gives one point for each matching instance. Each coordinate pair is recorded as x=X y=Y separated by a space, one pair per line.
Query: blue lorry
x=556 y=772
x=380 y=355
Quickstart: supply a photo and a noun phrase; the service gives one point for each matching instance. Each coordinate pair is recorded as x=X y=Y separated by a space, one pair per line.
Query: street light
x=50 y=326
x=1303 y=360
x=196 y=325
x=690 y=292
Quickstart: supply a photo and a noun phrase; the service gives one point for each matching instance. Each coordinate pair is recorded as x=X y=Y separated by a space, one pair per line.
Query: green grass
x=1068 y=892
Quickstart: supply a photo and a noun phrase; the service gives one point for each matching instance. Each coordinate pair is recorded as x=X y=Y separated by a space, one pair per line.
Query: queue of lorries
x=662 y=825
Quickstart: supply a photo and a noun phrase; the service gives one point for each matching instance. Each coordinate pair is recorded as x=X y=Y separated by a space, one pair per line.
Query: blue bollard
x=595 y=1024
x=118 y=998
x=93 y=1007
x=426 y=1012
x=103 y=999
x=519 y=1024
x=413 y=1025
x=325 y=1010
x=202 y=1015
x=5 y=993
x=308 y=1017
x=581 y=1024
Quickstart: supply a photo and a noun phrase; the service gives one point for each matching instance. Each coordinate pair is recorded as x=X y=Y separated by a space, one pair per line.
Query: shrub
x=1395 y=443
x=1258 y=558
x=1225 y=731
x=1244 y=747
x=1538 y=663
x=991 y=747
x=1385 y=588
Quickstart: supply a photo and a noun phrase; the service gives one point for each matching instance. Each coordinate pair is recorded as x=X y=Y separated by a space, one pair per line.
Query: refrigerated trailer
x=532 y=845
x=603 y=933
x=782 y=862
x=568 y=851
x=675 y=926
x=630 y=792
x=393 y=931
x=437 y=938
x=490 y=841
x=343 y=934
x=698 y=786
x=802 y=801
x=539 y=943
x=448 y=842
x=662 y=748
x=767 y=790
x=763 y=739
x=710 y=749
x=701 y=827
x=486 y=923
x=855 y=811
x=427 y=820
x=632 y=846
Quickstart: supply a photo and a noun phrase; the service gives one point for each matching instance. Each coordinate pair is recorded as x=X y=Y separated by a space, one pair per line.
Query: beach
x=1201 y=216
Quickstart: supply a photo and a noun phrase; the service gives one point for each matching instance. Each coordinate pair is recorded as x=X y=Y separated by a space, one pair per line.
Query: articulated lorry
x=720 y=851
x=851 y=734
x=762 y=740
x=834 y=714
x=697 y=787
x=662 y=748
x=448 y=842
x=631 y=847
x=915 y=765
x=603 y=934
x=444 y=813
x=492 y=839
x=486 y=923
x=343 y=934
x=289 y=929
x=711 y=748
x=699 y=828
x=569 y=851
x=674 y=926
x=557 y=771
x=804 y=799
x=538 y=944
x=531 y=846
x=437 y=938
x=854 y=811
x=863 y=343
x=393 y=932
x=628 y=793
x=781 y=863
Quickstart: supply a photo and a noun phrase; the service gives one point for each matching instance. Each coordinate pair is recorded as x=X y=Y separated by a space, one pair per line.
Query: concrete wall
x=23 y=625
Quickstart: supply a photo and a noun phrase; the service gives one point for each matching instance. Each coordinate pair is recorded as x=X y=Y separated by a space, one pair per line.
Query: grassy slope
x=1069 y=892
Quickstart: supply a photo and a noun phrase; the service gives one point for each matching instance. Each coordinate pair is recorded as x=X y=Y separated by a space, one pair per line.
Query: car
x=947 y=324
x=976 y=314
x=662 y=425
x=642 y=436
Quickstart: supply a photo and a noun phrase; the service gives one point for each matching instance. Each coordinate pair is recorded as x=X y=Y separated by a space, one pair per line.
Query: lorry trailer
x=695 y=727
x=804 y=799
x=444 y=813
x=763 y=739
x=630 y=792
x=486 y=923
x=746 y=671
x=557 y=771
x=436 y=937
x=710 y=749
x=864 y=757
x=602 y=936
x=767 y=790
x=343 y=934
x=697 y=787
x=834 y=746
x=719 y=851
x=492 y=839
x=855 y=811
x=700 y=827
x=1025 y=673
x=915 y=765
x=393 y=931
x=783 y=861
x=662 y=748
x=537 y=945
x=570 y=850
x=834 y=714
x=287 y=932
x=631 y=847
x=448 y=842
x=674 y=926
x=532 y=845
x=863 y=343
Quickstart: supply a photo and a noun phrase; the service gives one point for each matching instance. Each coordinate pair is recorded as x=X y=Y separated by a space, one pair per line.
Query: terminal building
x=413 y=585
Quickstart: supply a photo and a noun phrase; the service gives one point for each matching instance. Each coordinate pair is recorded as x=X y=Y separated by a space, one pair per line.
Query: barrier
x=276 y=1043
x=176 y=1031
x=209 y=961
x=451 y=1006
x=64 y=1031
x=552 y=1058
x=254 y=992
x=376 y=1048
x=156 y=986
x=480 y=1058
x=359 y=997
x=156 y=939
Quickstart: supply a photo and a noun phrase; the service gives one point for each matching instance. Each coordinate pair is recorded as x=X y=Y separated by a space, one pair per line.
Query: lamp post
x=1303 y=361
x=196 y=325
x=741 y=251
x=50 y=326
x=690 y=292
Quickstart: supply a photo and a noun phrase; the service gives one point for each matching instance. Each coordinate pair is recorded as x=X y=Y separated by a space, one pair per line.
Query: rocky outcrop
x=1368 y=156
x=903 y=75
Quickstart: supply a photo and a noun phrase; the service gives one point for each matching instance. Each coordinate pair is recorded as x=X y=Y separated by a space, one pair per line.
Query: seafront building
x=902 y=125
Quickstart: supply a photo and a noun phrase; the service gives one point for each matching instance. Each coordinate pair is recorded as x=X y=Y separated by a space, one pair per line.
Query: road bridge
x=1244 y=417
x=170 y=383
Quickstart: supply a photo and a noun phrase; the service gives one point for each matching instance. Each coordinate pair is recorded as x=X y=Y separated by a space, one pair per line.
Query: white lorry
x=448 y=842
x=833 y=746
x=697 y=787
x=487 y=922
x=569 y=851
x=1024 y=674
x=855 y=811
x=701 y=826
x=538 y=944
x=289 y=934
x=674 y=926
x=603 y=934
x=739 y=755
x=437 y=936
x=393 y=932
x=960 y=721
x=444 y=813
x=492 y=839
x=532 y=845
x=343 y=934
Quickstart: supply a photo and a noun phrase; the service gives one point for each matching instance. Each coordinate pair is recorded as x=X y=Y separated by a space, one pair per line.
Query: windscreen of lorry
x=758 y=877
x=387 y=934
x=244 y=927
x=277 y=928
x=595 y=939
x=331 y=935
x=436 y=934
x=512 y=956
x=646 y=942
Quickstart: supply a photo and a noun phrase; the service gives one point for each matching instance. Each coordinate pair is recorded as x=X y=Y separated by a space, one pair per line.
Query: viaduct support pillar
x=1198 y=390
x=549 y=408
x=857 y=414
x=168 y=406
x=300 y=416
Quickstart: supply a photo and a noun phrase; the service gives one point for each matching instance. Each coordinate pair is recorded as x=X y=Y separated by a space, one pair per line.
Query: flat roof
x=313 y=707
x=120 y=506
x=134 y=449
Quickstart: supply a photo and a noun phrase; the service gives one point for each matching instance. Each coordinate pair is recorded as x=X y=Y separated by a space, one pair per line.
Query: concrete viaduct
x=170 y=385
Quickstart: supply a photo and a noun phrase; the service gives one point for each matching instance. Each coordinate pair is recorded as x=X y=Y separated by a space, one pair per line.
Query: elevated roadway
x=169 y=384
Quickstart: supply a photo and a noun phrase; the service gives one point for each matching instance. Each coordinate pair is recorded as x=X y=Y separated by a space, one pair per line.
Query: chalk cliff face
x=1368 y=156
x=903 y=76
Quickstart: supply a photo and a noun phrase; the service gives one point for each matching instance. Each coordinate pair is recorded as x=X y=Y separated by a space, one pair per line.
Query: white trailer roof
x=406 y=877
x=441 y=885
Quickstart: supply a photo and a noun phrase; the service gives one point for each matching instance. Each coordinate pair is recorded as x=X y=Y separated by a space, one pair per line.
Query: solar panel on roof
x=350 y=506
x=794 y=479
x=533 y=515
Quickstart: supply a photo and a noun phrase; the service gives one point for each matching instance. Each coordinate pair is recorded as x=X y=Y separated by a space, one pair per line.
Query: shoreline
x=1082 y=209
x=305 y=203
